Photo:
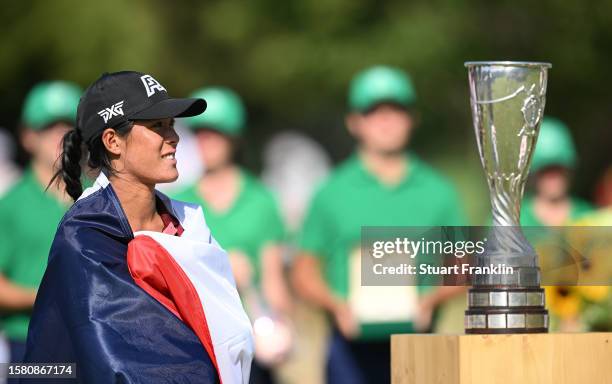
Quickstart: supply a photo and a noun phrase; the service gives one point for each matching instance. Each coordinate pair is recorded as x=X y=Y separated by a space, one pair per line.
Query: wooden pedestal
x=543 y=358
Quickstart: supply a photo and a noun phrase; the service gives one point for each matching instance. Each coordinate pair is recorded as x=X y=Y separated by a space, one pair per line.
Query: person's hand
x=273 y=340
x=241 y=268
x=15 y=297
x=345 y=320
x=273 y=284
x=424 y=314
x=278 y=299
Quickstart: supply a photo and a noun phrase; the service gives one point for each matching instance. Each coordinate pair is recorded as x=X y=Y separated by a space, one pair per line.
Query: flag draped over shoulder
x=153 y=308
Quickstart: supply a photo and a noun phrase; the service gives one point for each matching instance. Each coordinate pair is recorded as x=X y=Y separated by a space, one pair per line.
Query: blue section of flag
x=90 y=312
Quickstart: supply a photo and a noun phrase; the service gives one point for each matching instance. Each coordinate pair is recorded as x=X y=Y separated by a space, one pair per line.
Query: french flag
x=143 y=307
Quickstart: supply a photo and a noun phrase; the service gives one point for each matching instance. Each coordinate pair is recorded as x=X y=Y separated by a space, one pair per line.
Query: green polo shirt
x=249 y=224
x=352 y=197
x=578 y=209
x=28 y=220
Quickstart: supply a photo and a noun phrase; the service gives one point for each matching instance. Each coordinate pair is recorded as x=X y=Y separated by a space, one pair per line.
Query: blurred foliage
x=292 y=60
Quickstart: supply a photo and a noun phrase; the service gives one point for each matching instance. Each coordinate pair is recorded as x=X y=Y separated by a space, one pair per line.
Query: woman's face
x=147 y=153
x=552 y=182
x=385 y=129
x=216 y=149
x=45 y=145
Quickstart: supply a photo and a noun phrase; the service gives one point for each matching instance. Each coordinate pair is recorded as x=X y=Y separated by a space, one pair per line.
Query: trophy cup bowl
x=507 y=100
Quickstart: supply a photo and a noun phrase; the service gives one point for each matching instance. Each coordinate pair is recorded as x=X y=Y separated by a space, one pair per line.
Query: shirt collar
x=411 y=175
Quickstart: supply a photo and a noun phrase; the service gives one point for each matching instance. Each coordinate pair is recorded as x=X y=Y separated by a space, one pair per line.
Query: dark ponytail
x=70 y=164
x=72 y=154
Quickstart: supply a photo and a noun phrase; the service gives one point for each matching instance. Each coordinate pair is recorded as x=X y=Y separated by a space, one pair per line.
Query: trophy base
x=506 y=310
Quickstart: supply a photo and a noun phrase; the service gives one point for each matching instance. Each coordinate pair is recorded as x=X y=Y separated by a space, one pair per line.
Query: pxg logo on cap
x=114 y=110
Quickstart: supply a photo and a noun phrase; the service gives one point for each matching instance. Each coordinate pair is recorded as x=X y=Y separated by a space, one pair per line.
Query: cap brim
x=172 y=108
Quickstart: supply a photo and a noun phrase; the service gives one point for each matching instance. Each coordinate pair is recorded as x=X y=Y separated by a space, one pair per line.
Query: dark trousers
x=358 y=362
x=17 y=350
x=260 y=374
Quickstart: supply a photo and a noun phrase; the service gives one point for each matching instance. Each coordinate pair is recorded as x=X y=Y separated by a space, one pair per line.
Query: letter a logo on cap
x=151 y=85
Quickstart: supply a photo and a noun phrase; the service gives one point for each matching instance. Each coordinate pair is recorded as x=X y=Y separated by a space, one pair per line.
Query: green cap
x=50 y=102
x=554 y=147
x=225 y=112
x=380 y=84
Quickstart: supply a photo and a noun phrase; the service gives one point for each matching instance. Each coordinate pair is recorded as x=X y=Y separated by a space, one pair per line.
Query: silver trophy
x=507 y=100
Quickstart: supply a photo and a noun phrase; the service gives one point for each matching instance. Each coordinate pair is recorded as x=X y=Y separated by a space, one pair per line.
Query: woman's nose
x=172 y=137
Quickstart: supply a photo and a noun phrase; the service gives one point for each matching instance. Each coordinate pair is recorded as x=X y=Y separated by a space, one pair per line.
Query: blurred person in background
x=603 y=189
x=9 y=174
x=596 y=304
x=293 y=167
x=9 y=171
x=380 y=185
x=245 y=219
x=550 y=203
x=29 y=215
x=596 y=311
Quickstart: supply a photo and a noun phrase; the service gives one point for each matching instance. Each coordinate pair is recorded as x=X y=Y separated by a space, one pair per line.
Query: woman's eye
x=162 y=125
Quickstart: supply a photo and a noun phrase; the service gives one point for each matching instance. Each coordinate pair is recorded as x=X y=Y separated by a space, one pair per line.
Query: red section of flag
x=155 y=270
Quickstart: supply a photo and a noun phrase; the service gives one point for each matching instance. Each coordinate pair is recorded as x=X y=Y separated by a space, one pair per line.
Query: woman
x=554 y=161
x=136 y=289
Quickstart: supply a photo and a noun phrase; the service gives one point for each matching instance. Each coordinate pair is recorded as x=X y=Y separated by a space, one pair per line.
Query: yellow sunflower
x=563 y=301
x=594 y=293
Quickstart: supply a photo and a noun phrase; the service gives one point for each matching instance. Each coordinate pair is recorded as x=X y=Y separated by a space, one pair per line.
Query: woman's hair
x=72 y=153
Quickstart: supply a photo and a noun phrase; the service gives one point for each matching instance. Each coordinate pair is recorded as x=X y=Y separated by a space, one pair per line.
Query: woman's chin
x=168 y=177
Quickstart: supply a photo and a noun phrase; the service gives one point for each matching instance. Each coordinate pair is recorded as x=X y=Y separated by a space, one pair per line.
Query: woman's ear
x=28 y=140
x=112 y=141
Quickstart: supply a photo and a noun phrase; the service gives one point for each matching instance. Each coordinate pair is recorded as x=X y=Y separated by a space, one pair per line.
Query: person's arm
x=309 y=284
x=274 y=285
x=241 y=269
x=315 y=236
x=307 y=271
x=14 y=297
x=429 y=301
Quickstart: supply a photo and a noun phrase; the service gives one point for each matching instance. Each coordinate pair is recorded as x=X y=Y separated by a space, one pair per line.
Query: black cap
x=118 y=97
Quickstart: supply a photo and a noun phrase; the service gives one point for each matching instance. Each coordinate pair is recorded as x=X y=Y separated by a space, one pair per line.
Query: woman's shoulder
x=192 y=218
x=189 y=214
x=93 y=232
x=99 y=211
